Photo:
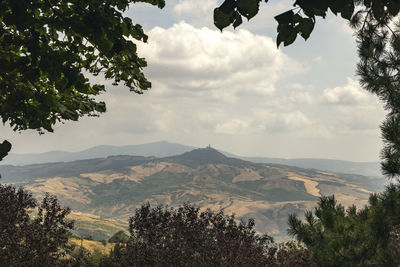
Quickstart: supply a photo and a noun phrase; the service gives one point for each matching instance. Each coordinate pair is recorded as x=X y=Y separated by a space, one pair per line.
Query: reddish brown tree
x=40 y=240
x=187 y=237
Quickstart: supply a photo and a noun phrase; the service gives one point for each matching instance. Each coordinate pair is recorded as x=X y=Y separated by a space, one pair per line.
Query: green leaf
x=367 y=3
x=237 y=20
x=307 y=6
x=5 y=147
x=221 y=19
x=61 y=43
x=248 y=8
x=101 y=107
x=286 y=34
x=285 y=18
x=305 y=27
x=335 y=9
x=347 y=11
x=121 y=6
x=378 y=9
x=159 y=3
x=319 y=12
x=291 y=38
x=279 y=40
x=394 y=7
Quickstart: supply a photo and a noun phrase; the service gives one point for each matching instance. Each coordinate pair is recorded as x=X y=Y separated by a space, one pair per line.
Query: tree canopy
x=39 y=240
x=378 y=69
x=49 y=47
x=349 y=237
x=184 y=236
x=300 y=19
x=119 y=237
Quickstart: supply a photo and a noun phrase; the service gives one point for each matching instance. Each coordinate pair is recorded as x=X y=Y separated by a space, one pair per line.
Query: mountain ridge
x=115 y=186
x=166 y=149
x=159 y=149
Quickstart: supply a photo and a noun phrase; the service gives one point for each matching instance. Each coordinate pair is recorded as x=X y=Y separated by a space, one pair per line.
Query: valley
x=105 y=192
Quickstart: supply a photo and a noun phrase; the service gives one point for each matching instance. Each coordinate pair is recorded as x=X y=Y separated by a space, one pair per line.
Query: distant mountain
x=157 y=149
x=115 y=186
x=362 y=168
x=166 y=149
x=202 y=156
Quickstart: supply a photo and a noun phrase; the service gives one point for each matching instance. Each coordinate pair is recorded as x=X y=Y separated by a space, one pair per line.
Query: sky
x=234 y=90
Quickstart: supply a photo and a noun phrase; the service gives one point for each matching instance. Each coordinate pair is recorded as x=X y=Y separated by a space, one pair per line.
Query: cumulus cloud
x=208 y=81
x=349 y=94
x=233 y=89
x=352 y=110
x=221 y=66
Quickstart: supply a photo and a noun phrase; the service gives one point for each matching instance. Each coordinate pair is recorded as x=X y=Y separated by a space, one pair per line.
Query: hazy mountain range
x=105 y=192
x=156 y=149
x=166 y=149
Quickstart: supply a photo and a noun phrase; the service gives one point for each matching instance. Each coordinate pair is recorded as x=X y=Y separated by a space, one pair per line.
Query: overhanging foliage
x=47 y=50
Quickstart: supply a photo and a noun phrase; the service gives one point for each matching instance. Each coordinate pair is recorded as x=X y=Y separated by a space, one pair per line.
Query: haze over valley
x=104 y=192
x=165 y=149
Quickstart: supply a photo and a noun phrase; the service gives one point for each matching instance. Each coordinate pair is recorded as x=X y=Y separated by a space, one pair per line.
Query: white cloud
x=348 y=94
x=195 y=8
x=296 y=86
x=264 y=20
x=204 y=62
x=264 y=121
x=318 y=59
x=352 y=110
x=360 y=118
x=234 y=90
x=295 y=120
x=338 y=24
x=280 y=122
x=234 y=126
x=317 y=130
x=301 y=98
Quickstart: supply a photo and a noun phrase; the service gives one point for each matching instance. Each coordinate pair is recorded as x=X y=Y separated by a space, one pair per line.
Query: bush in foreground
x=187 y=237
x=337 y=236
x=41 y=240
x=158 y=237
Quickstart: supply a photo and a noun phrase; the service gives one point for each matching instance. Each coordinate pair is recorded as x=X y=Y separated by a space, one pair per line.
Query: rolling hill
x=115 y=186
x=166 y=149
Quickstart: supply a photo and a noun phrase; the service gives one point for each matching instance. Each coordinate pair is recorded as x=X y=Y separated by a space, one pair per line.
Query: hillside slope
x=167 y=149
x=114 y=187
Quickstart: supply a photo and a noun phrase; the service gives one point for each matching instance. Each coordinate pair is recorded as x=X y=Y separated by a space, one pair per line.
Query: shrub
x=38 y=241
x=184 y=236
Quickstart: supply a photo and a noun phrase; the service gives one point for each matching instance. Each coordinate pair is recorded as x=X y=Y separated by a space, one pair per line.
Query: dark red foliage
x=41 y=240
x=187 y=237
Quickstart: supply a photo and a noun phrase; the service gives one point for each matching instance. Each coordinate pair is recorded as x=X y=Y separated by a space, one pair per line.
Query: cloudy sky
x=234 y=90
